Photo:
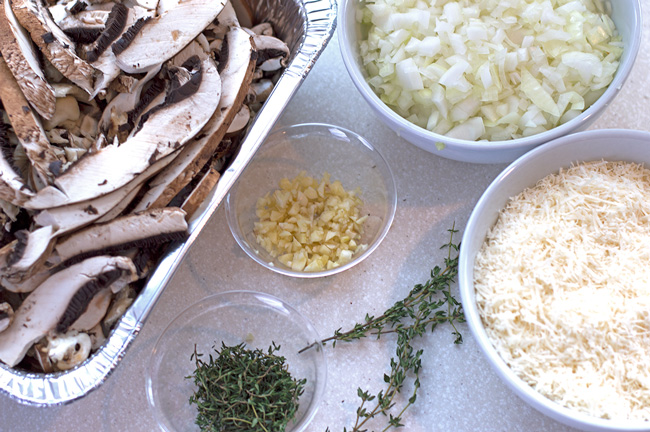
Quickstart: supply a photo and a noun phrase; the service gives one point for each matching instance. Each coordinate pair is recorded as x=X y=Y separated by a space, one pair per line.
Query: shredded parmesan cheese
x=563 y=288
x=310 y=225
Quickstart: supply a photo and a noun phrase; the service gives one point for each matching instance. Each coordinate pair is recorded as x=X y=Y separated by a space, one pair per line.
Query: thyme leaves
x=244 y=390
x=423 y=309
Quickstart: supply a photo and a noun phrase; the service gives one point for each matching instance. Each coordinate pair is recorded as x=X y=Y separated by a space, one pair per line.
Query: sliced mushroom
x=121 y=207
x=95 y=311
x=67 y=350
x=64 y=89
x=120 y=23
x=6 y=316
x=116 y=113
x=73 y=216
x=124 y=83
x=67 y=109
x=60 y=300
x=240 y=121
x=200 y=192
x=120 y=304
x=272 y=53
x=236 y=77
x=30 y=283
x=97 y=337
x=115 y=25
x=264 y=28
x=186 y=110
x=27 y=127
x=149 y=4
x=184 y=23
x=54 y=43
x=262 y=90
x=40 y=352
x=22 y=258
x=226 y=20
x=136 y=229
x=18 y=51
x=12 y=187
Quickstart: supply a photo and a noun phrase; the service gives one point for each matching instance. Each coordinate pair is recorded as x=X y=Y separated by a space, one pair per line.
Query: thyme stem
x=420 y=311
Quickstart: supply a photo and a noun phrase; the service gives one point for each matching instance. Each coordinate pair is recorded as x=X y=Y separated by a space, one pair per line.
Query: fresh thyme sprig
x=421 y=310
x=244 y=390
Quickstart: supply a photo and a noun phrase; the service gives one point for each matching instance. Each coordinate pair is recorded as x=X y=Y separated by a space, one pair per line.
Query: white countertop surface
x=460 y=392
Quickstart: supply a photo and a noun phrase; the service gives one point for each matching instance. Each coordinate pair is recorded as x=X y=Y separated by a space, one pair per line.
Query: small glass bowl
x=232 y=317
x=315 y=148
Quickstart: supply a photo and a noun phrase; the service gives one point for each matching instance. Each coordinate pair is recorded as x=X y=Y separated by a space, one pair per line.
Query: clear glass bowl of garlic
x=315 y=200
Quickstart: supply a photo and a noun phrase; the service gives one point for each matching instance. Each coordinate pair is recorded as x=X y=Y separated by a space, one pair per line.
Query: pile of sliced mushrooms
x=117 y=117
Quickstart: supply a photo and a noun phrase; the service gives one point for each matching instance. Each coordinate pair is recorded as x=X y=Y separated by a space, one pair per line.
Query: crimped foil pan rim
x=64 y=387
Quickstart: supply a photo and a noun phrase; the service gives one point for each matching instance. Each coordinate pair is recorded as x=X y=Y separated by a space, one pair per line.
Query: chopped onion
x=489 y=69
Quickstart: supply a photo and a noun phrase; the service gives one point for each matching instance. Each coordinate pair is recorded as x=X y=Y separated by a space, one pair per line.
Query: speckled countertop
x=460 y=392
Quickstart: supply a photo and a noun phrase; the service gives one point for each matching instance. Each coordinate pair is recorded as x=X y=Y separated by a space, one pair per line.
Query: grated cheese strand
x=563 y=288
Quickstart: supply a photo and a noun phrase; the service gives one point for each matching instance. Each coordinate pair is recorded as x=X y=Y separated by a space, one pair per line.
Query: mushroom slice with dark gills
x=140 y=229
x=226 y=19
x=121 y=22
x=115 y=25
x=187 y=108
x=183 y=22
x=23 y=257
x=59 y=301
x=19 y=53
x=117 y=113
x=236 y=74
x=272 y=53
x=56 y=46
x=27 y=127
x=12 y=187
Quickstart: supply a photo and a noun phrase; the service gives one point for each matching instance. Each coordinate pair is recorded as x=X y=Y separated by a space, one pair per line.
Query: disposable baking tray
x=306 y=26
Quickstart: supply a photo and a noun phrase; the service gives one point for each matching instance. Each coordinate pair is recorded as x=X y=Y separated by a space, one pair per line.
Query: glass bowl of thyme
x=233 y=362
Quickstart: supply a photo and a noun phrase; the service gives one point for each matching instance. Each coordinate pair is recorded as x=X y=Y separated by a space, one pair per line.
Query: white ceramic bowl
x=232 y=317
x=315 y=148
x=626 y=14
x=611 y=145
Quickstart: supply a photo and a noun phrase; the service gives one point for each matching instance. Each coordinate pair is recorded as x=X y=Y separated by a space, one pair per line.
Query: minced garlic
x=310 y=225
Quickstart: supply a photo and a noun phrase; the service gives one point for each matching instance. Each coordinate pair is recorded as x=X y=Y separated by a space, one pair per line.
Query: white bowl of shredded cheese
x=554 y=278
x=316 y=199
x=484 y=81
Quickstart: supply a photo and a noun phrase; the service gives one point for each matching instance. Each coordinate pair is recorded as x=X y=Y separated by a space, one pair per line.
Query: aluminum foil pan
x=306 y=26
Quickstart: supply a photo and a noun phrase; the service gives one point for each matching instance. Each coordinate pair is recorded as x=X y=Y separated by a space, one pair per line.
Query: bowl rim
x=354 y=70
x=228 y=298
x=535 y=399
x=391 y=202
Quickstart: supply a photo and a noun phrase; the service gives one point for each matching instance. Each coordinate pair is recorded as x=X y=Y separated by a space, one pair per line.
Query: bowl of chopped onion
x=485 y=81
x=553 y=278
x=315 y=200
